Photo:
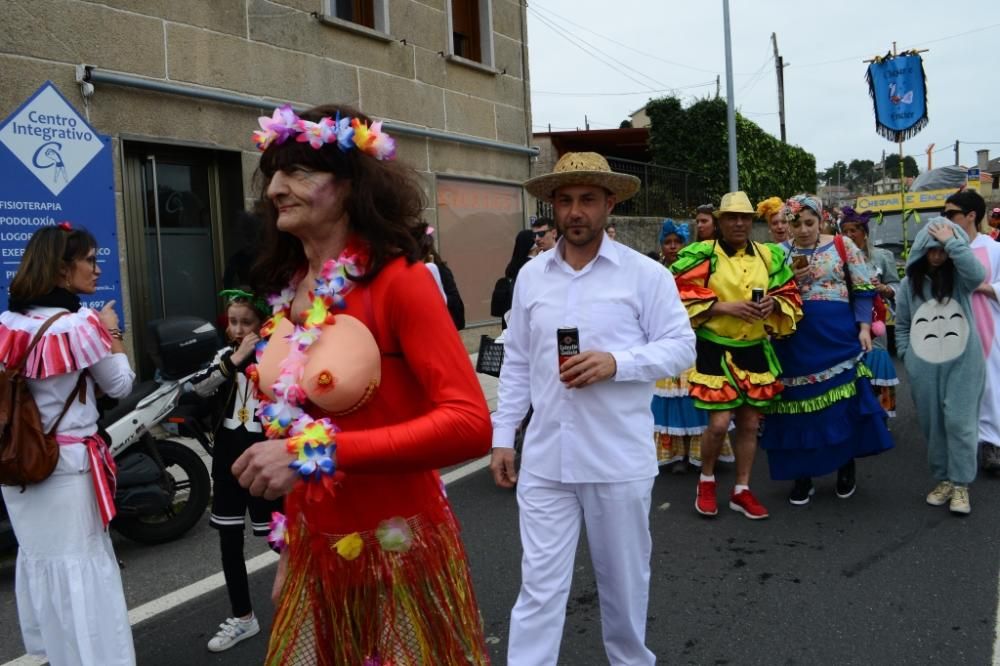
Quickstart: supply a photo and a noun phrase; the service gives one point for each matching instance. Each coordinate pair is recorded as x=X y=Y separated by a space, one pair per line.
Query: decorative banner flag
x=899 y=92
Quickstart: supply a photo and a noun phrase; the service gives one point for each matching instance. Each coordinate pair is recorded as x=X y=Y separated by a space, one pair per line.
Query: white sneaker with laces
x=941 y=494
x=960 y=501
x=232 y=631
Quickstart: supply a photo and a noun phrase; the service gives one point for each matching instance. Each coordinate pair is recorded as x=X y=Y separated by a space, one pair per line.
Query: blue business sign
x=56 y=168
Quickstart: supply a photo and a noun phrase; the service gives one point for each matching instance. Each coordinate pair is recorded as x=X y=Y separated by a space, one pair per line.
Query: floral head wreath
x=239 y=296
x=793 y=207
x=347 y=133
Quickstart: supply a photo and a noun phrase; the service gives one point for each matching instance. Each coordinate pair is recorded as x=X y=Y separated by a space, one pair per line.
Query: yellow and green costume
x=736 y=365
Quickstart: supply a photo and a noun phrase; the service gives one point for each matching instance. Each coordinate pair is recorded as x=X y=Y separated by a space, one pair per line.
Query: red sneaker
x=705 y=503
x=747 y=504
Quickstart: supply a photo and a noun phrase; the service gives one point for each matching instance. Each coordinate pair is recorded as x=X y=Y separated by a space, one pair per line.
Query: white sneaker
x=960 y=501
x=232 y=631
x=941 y=494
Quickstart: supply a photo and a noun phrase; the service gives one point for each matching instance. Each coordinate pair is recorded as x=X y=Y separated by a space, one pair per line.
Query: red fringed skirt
x=400 y=595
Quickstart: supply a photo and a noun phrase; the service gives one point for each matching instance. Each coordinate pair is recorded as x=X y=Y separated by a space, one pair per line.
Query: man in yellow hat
x=587 y=453
x=737 y=293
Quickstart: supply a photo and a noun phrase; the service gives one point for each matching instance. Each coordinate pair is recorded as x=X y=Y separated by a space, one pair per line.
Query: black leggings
x=234 y=568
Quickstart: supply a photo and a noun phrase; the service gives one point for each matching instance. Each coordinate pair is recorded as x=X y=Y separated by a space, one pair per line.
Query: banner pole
x=902 y=203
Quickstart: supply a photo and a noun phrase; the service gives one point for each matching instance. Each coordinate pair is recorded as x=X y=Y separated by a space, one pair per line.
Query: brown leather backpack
x=27 y=453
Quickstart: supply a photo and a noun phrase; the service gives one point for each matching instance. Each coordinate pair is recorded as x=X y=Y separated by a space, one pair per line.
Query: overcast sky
x=827 y=108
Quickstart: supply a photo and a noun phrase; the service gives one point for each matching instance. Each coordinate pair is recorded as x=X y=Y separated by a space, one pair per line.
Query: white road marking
x=201 y=587
x=996 y=633
x=465 y=470
x=153 y=608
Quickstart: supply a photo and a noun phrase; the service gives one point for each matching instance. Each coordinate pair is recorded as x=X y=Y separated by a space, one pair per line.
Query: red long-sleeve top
x=428 y=412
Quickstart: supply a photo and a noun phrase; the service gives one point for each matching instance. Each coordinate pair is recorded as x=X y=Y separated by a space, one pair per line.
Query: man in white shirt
x=588 y=453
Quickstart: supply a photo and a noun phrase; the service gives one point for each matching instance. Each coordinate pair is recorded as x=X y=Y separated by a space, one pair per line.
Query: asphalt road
x=880 y=578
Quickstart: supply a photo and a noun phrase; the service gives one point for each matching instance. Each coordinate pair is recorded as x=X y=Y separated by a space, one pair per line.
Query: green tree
x=837 y=174
x=910 y=168
x=860 y=175
x=695 y=139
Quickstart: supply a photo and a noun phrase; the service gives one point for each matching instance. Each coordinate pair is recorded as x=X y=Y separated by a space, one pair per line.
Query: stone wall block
x=411 y=150
x=433 y=4
x=418 y=24
x=23 y=77
x=307 y=6
x=460 y=160
x=119 y=110
x=219 y=15
x=507 y=18
x=507 y=55
x=469 y=115
x=437 y=71
x=225 y=62
x=279 y=25
x=510 y=125
x=74 y=32
x=393 y=98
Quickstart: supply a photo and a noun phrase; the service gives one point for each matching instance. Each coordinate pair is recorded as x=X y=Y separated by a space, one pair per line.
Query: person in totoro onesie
x=939 y=345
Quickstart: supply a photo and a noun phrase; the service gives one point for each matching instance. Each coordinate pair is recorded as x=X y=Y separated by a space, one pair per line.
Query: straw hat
x=583 y=169
x=735 y=202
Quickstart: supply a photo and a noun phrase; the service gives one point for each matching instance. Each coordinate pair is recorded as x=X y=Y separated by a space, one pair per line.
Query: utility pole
x=718 y=80
x=586 y=122
x=956 y=152
x=779 y=65
x=734 y=179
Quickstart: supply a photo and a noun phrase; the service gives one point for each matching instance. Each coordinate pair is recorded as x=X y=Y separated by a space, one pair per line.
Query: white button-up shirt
x=623 y=303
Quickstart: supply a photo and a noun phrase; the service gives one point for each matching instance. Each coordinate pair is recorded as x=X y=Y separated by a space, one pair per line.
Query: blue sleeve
x=863 y=303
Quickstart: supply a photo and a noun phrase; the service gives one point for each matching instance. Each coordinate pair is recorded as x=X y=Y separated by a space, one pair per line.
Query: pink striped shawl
x=72 y=343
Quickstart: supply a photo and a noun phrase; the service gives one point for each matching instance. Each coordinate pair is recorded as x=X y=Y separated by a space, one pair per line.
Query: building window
x=356 y=11
x=471 y=23
x=371 y=14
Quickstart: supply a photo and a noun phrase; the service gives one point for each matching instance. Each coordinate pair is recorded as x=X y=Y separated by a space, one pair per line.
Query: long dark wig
x=942 y=278
x=384 y=206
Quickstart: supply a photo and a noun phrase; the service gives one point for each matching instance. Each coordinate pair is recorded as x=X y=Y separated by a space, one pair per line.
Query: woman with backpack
x=70 y=601
x=828 y=414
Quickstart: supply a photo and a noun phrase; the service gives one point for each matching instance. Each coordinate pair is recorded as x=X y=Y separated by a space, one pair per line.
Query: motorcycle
x=163 y=486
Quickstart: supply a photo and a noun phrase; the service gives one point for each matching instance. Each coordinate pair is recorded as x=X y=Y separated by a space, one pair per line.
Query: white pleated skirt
x=70 y=601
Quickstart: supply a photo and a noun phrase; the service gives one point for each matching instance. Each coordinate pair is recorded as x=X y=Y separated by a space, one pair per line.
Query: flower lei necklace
x=313 y=441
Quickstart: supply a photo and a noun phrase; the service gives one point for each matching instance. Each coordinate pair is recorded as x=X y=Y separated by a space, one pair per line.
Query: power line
x=926 y=41
x=576 y=41
x=615 y=94
x=537 y=6
x=758 y=75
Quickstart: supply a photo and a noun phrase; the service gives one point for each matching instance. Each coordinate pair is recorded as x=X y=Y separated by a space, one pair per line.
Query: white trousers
x=617 y=520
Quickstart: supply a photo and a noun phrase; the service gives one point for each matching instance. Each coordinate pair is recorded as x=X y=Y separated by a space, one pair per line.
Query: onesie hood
x=924 y=241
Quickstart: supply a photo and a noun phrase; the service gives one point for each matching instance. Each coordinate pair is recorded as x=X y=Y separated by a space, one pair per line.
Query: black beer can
x=567 y=342
x=756 y=294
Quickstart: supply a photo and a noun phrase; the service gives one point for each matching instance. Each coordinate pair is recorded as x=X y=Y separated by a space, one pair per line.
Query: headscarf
x=795 y=205
x=672 y=228
x=848 y=214
x=768 y=207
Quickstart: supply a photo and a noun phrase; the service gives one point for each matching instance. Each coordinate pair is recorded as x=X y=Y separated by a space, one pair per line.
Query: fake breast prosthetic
x=343 y=368
x=940 y=331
